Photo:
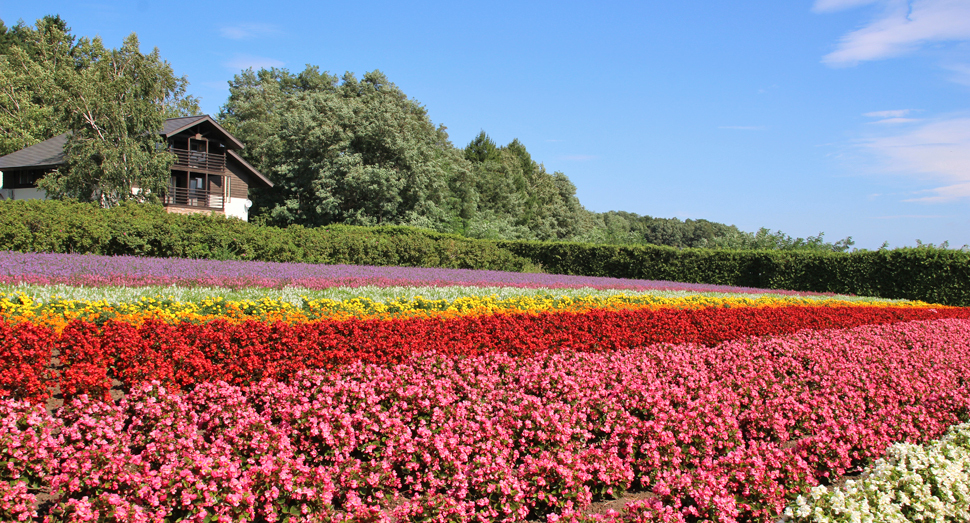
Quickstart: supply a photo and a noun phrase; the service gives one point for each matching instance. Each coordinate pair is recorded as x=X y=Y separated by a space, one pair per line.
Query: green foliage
x=929 y=274
x=517 y=198
x=354 y=151
x=112 y=101
x=115 y=105
x=764 y=239
x=626 y=228
x=29 y=57
x=147 y=230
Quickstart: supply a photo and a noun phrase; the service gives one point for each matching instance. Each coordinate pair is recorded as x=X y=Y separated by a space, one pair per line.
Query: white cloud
x=896 y=116
x=961 y=73
x=896 y=113
x=827 y=6
x=241 y=62
x=937 y=152
x=891 y=121
x=902 y=27
x=247 y=30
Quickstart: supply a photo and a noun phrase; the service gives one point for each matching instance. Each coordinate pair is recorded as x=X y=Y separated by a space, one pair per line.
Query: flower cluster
x=912 y=483
x=727 y=432
x=93 y=270
x=91 y=355
x=57 y=312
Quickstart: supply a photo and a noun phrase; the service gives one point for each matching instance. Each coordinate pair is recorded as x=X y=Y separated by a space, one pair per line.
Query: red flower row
x=90 y=356
x=728 y=433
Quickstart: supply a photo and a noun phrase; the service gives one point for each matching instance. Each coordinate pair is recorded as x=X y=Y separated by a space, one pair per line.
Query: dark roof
x=48 y=153
x=177 y=125
x=174 y=125
x=249 y=167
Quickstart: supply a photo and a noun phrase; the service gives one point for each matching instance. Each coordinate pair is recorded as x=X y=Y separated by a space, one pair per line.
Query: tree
x=28 y=91
x=114 y=102
x=354 y=151
x=517 y=197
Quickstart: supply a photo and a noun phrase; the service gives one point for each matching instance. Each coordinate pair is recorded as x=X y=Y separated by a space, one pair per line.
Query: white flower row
x=928 y=483
x=295 y=295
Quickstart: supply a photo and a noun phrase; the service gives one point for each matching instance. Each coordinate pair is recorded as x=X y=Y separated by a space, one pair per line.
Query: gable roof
x=177 y=125
x=49 y=153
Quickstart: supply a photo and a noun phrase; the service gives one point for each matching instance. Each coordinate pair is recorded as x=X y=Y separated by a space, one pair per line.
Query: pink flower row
x=730 y=432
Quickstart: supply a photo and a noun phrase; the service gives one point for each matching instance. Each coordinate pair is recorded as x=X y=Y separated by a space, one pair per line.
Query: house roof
x=177 y=125
x=245 y=165
x=50 y=153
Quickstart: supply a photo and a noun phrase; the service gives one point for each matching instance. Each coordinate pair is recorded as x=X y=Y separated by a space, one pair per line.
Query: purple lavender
x=133 y=271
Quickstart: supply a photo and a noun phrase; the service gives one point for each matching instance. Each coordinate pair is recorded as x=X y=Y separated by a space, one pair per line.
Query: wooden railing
x=194 y=198
x=199 y=160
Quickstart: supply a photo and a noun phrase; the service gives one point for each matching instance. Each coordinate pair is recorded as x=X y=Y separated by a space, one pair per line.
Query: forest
x=339 y=149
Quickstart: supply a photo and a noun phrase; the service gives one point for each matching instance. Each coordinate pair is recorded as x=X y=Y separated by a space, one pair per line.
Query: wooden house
x=208 y=175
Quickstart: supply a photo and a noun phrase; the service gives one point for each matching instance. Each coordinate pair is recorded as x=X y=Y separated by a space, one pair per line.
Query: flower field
x=271 y=392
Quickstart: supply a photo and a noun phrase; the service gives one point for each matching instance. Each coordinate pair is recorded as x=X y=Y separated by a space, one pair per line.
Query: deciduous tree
x=114 y=102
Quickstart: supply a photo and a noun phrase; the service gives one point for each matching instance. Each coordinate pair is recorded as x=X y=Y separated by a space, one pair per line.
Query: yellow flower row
x=57 y=312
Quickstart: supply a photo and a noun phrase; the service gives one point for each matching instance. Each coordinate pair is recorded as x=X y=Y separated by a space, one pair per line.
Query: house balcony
x=194 y=198
x=211 y=162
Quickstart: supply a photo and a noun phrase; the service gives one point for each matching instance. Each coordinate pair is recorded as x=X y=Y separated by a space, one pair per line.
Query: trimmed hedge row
x=928 y=274
x=147 y=230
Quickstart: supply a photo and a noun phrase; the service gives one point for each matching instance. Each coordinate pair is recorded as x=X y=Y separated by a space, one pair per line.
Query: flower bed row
x=90 y=355
x=57 y=312
x=729 y=432
x=92 y=270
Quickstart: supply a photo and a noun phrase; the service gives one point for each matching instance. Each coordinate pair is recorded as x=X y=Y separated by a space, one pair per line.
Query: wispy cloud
x=241 y=62
x=895 y=113
x=960 y=72
x=901 y=27
x=248 y=30
x=891 y=121
x=744 y=127
x=895 y=116
x=937 y=151
x=891 y=117
x=825 y=6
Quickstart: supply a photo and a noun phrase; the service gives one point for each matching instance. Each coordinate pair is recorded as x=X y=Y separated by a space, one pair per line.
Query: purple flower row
x=94 y=270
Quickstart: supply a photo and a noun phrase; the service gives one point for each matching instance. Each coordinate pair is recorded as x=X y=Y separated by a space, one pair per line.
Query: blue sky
x=848 y=117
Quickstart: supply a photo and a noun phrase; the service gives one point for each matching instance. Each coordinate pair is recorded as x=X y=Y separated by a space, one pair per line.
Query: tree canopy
x=29 y=57
x=112 y=102
x=341 y=151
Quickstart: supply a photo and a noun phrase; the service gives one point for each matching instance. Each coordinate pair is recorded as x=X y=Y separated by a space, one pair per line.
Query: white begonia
x=913 y=483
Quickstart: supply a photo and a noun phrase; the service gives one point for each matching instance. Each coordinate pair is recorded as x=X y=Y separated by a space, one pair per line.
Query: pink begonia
x=730 y=432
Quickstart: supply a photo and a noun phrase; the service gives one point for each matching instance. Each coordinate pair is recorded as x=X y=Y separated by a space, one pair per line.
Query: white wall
x=238 y=207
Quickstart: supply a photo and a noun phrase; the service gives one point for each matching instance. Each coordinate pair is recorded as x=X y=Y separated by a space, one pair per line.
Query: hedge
x=147 y=230
x=928 y=274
